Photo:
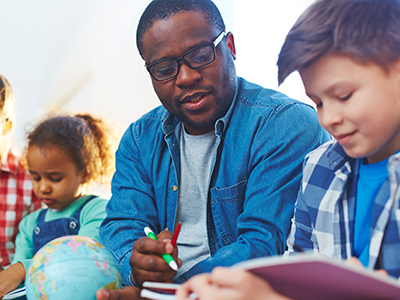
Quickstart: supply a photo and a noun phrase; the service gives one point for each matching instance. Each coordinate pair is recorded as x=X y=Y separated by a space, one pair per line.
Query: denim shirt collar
x=170 y=122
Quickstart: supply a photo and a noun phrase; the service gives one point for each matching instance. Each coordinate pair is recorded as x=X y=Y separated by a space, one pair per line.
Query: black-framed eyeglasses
x=194 y=58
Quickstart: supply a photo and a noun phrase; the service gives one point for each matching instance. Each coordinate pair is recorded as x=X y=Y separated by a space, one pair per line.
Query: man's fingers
x=165 y=234
x=147 y=245
x=148 y=262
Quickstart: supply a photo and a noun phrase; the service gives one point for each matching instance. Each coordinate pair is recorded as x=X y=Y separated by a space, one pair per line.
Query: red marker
x=176 y=233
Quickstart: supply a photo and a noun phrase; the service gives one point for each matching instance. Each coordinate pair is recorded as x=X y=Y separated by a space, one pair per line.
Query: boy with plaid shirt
x=16 y=194
x=348 y=208
x=348 y=55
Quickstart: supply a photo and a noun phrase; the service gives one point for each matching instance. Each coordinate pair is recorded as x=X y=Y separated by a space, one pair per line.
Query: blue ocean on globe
x=71 y=267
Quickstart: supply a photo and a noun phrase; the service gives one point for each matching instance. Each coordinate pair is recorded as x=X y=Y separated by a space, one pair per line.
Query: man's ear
x=231 y=44
x=7 y=126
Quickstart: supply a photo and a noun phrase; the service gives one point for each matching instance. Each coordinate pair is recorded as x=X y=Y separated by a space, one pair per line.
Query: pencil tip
x=173 y=265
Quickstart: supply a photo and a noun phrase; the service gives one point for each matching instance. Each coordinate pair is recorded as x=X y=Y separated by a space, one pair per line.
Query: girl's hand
x=127 y=293
x=229 y=284
x=11 y=278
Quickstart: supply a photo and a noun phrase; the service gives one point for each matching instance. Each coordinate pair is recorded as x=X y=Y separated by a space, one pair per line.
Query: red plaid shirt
x=16 y=200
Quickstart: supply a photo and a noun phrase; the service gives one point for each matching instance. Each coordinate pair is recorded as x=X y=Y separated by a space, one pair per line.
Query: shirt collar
x=10 y=164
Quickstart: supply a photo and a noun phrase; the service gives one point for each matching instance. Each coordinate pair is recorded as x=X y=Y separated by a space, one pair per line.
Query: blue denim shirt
x=254 y=178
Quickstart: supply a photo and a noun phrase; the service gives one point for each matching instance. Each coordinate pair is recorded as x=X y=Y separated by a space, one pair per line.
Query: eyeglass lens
x=195 y=58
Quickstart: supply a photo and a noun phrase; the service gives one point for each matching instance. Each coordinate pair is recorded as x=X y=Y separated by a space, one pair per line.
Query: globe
x=71 y=267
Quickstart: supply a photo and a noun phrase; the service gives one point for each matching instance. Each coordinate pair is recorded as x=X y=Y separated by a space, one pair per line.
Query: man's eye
x=164 y=68
x=165 y=71
x=201 y=55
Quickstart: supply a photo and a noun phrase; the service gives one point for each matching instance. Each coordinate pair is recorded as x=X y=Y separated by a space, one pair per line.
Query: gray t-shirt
x=196 y=154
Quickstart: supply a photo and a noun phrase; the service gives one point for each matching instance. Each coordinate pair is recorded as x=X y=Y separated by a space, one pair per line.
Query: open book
x=160 y=291
x=314 y=277
x=17 y=294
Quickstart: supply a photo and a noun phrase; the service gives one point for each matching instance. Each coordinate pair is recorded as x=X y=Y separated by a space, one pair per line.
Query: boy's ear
x=7 y=126
x=396 y=65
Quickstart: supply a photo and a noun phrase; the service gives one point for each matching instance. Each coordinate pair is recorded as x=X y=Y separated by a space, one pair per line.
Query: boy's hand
x=355 y=262
x=147 y=263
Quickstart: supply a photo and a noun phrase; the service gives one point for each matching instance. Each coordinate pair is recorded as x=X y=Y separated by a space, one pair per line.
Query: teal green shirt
x=91 y=216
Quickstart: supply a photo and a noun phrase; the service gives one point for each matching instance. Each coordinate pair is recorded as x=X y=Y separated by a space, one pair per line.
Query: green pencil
x=167 y=257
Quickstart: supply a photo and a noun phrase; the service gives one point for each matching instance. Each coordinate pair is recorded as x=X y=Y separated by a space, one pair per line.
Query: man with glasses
x=221 y=155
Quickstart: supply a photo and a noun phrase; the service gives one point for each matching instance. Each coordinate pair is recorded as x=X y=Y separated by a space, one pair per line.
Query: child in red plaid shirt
x=16 y=193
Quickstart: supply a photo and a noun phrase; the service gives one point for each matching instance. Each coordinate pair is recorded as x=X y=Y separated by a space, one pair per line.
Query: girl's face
x=56 y=180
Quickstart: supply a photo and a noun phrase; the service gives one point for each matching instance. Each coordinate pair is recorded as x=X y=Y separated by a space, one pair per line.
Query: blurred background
x=80 y=55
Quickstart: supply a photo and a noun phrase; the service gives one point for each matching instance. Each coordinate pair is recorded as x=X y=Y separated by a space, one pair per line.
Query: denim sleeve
x=275 y=166
x=131 y=207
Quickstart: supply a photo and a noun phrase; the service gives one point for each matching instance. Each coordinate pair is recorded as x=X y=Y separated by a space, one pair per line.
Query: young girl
x=64 y=154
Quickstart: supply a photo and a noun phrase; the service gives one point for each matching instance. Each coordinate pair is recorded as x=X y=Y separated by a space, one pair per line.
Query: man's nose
x=187 y=76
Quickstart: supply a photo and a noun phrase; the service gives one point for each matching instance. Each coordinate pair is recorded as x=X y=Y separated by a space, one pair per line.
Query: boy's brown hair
x=365 y=30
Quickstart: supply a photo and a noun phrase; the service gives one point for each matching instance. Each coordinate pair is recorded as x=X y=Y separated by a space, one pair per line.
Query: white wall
x=81 y=54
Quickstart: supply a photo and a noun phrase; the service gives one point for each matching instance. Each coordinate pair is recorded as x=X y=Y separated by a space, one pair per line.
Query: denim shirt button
x=174 y=188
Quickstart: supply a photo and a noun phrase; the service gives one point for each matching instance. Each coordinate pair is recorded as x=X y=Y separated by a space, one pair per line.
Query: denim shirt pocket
x=226 y=205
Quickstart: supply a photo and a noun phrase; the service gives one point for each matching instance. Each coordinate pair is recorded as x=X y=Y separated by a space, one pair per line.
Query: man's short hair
x=163 y=9
x=366 y=31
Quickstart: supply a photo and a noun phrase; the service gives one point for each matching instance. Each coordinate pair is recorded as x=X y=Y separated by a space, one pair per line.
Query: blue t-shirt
x=371 y=179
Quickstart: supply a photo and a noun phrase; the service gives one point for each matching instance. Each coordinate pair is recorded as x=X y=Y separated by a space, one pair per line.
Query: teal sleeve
x=24 y=239
x=91 y=217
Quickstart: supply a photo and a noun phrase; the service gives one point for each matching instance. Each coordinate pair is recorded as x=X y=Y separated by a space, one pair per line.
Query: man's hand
x=128 y=293
x=146 y=261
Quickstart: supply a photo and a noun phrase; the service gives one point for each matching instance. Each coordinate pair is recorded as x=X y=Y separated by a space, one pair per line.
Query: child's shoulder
x=325 y=161
x=96 y=204
x=329 y=154
x=30 y=219
x=94 y=199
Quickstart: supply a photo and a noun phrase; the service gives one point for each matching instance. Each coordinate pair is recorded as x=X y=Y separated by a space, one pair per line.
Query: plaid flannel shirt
x=16 y=200
x=325 y=209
